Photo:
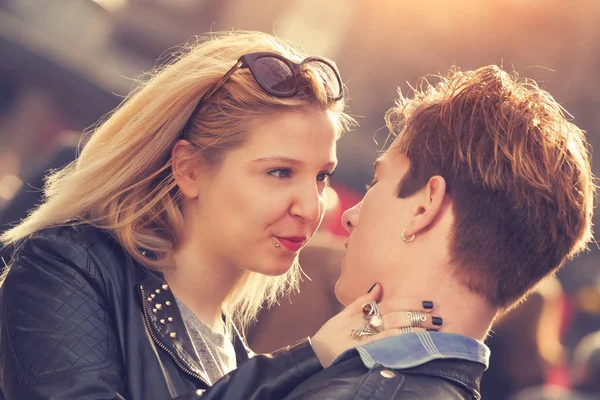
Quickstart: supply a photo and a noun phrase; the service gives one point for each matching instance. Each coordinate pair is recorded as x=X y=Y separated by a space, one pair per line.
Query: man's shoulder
x=417 y=365
x=350 y=378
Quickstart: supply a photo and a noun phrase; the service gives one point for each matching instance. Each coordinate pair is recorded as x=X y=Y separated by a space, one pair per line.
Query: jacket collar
x=458 y=358
x=167 y=328
x=412 y=349
x=165 y=324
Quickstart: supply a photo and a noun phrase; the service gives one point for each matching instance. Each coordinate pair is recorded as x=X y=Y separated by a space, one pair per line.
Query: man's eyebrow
x=376 y=164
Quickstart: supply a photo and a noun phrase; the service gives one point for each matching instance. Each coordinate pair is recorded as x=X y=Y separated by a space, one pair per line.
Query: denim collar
x=416 y=348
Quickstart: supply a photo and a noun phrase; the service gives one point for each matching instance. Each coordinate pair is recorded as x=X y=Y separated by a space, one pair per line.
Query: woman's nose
x=309 y=206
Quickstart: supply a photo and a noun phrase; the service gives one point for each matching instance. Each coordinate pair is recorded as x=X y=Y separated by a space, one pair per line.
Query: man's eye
x=281 y=173
x=325 y=177
x=370 y=185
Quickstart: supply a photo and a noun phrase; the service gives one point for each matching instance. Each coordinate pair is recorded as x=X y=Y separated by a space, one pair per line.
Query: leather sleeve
x=266 y=376
x=57 y=339
x=56 y=336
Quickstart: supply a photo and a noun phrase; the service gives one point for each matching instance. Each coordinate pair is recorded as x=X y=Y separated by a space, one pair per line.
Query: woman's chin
x=276 y=268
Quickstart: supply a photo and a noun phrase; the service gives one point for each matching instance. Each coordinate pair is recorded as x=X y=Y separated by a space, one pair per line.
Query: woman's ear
x=186 y=169
x=429 y=205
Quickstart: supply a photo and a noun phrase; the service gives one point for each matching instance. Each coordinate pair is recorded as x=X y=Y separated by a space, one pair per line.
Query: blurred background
x=65 y=63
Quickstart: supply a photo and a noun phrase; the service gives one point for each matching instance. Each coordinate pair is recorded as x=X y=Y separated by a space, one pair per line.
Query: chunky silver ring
x=377 y=323
x=370 y=309
x=405 y=329
x=415 y=318
x=364 y=331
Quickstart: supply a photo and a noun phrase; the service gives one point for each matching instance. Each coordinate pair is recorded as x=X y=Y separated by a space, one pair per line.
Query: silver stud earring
x=277 y=245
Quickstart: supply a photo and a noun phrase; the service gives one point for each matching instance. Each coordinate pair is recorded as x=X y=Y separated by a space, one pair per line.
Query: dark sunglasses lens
x=329 y=77
x=275 y=75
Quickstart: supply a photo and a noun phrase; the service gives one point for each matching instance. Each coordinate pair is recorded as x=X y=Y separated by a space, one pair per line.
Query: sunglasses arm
x=222 y=80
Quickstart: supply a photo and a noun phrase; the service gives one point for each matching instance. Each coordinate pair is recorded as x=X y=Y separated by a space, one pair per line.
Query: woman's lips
x=291 y=243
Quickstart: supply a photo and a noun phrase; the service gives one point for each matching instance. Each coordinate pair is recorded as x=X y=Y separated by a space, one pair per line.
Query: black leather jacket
x=80 y=319
x=442 y=379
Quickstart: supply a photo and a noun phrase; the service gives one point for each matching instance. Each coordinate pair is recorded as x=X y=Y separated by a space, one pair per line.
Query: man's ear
x=429 y=206
x=185 y=169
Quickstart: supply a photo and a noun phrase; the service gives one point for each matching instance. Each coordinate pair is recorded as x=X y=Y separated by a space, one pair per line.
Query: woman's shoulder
x=76 y=236
x=70 y=245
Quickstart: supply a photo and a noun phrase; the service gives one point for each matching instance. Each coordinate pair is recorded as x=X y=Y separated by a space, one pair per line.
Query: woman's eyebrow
x=289 y=160
x=278 y=159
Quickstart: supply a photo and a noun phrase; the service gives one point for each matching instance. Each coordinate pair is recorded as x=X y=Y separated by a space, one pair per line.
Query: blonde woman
x=185 y=210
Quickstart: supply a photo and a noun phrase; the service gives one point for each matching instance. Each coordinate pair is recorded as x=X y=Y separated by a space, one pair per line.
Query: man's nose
x=350 y=217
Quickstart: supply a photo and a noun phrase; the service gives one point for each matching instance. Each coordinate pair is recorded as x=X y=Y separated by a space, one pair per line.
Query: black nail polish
x=372 y=287
x=437 y=321
x=432 y=330
x=428 y=305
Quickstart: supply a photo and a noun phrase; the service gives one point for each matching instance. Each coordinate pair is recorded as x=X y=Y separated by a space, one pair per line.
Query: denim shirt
x=412 y=349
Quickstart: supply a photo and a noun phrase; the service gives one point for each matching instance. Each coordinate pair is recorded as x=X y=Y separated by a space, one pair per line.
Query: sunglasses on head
x=279 y=76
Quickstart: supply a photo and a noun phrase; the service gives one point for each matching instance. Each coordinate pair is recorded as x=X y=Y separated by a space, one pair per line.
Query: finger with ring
x=416 y=318
x=405 y=329
x=370 y=309
x=362 y=332
x=394 y=320
x=377 y=323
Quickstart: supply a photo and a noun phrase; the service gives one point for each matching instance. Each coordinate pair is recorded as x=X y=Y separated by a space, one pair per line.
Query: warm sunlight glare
x=111 y=5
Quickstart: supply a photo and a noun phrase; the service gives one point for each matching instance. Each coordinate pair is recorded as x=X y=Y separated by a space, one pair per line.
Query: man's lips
x=292 y=243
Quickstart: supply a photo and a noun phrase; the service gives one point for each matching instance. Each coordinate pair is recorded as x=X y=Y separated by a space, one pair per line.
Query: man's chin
x=339 y=293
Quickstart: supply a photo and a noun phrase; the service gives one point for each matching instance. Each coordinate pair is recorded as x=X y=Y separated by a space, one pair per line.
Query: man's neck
x=462 y=311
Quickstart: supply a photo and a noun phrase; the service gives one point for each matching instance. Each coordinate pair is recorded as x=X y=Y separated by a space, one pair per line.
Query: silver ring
x=405 y=329
x=415 y=318
x=370 y=309
x=377 y=323
x=364 y=331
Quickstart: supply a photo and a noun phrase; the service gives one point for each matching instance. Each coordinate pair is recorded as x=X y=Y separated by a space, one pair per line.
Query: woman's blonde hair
x=122 y=180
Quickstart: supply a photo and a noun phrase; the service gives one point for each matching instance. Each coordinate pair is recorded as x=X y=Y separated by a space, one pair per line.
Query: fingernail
x=437 y=321
x=372 y=287
x=432 y=330
x=428 y=305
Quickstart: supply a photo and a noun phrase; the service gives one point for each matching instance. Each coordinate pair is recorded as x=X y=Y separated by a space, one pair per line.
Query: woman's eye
x=281 y=173
x=325 y=177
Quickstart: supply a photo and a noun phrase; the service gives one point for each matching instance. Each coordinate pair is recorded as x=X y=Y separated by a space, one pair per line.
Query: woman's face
x=265 y=199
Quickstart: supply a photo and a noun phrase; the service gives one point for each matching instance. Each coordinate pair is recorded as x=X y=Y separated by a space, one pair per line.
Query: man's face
x=375 y=246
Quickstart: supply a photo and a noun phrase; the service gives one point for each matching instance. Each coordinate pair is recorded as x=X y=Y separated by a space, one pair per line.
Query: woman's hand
x=335 y=336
